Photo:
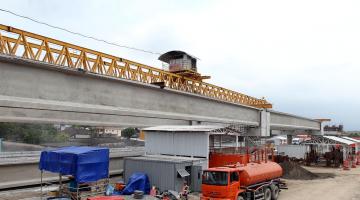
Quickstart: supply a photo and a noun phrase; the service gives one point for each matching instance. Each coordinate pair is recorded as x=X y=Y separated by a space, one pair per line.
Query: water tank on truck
x=255 y=173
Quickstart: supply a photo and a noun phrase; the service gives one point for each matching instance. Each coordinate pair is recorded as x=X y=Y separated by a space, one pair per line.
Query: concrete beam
x=285 y=121
x=264 y=129
x=38 y=92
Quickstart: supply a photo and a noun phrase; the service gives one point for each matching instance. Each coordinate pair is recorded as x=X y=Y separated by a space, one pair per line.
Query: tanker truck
x=253 y=181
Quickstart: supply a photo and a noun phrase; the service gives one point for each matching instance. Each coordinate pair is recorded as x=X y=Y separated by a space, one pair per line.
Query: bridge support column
x=264 y=129
x=289 y=135
x=322 y=128
x=237 y=141
x=289 y=139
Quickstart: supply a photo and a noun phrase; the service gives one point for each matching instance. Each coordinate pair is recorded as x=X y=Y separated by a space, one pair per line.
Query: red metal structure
x=238 y=155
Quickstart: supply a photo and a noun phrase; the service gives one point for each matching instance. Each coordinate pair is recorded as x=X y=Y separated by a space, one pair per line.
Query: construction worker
x=153 y=191
x=185 y=191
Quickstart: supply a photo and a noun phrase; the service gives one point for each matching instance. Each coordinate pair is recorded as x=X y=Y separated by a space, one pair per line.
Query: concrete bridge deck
x=37 y=92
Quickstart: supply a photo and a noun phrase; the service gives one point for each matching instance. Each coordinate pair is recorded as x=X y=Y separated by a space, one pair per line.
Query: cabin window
x=215 y=178
x=234 y=177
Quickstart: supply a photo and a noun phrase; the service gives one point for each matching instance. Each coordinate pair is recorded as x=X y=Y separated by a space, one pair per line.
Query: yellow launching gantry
x=182 y=74
x=182 y=64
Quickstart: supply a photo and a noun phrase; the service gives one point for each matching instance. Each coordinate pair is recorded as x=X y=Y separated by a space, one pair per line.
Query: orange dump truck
x=255 y=181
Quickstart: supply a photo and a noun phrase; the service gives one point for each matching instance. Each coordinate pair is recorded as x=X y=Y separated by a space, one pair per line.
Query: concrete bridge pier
x=289 y=139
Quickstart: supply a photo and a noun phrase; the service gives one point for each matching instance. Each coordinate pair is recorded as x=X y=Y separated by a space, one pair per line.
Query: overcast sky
x=302 y=56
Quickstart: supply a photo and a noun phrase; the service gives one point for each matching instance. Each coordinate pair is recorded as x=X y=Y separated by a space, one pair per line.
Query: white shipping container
x=296 y=151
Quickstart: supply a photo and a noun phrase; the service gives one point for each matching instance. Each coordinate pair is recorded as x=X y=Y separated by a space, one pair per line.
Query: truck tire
x=267 y=194
x=240 y=197
x=274 y=192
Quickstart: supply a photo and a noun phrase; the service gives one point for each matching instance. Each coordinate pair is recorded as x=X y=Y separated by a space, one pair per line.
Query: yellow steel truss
x=16 y=42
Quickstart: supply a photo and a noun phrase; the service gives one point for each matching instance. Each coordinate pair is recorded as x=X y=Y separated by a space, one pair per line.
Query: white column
x=237 y=140
x=289 y=139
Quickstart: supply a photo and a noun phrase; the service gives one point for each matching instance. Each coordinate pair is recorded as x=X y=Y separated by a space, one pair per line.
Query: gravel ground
x=21 y=194
x=344 y=186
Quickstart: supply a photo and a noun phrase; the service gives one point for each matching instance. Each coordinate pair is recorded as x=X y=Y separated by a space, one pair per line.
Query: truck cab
x=221 y=183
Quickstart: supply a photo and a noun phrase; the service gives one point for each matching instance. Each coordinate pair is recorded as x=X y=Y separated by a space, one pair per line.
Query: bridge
x=38 y=92
x=43 y=80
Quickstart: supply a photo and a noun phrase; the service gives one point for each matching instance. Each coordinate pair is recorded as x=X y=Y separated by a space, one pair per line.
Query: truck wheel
x=240 y=198
x=275 y=192
x=267 y=194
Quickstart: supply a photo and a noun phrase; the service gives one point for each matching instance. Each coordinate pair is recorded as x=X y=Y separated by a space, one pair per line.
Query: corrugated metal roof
x=195 y=128
x=341 y=140
x=164 y=158
x=352 y=139
x=166 y=57
x=279 y=137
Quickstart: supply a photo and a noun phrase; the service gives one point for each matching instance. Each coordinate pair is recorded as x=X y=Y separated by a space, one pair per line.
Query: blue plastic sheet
x=137 y=181
x=85 y=164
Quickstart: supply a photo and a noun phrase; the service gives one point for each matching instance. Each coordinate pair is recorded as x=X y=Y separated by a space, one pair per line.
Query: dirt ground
x=344 y=186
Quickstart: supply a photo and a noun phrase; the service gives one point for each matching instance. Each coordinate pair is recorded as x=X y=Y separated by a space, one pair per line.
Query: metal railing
x=242 y=155
x=16 y=42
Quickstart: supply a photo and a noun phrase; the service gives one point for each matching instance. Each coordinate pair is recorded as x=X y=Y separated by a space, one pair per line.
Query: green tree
x=32 y=138
x=355 y=134
x=31 y=133
x=128 y=132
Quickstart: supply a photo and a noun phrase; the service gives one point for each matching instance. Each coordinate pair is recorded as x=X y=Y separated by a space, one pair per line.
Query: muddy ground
x=345 y=185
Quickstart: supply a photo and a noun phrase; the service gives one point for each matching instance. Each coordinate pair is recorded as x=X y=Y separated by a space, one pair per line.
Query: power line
x=79 y=34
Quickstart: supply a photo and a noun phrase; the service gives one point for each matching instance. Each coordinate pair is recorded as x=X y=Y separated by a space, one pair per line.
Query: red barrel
x=255 y=173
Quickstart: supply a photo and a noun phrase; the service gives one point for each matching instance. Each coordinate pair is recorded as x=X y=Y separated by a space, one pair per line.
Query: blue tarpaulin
x=137 y=181
x=85 y=164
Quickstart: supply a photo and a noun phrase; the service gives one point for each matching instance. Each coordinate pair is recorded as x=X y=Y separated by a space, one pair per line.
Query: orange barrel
x=258 y=172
